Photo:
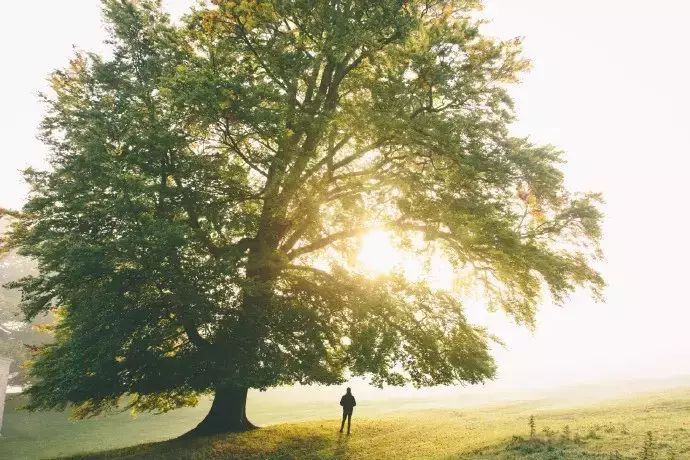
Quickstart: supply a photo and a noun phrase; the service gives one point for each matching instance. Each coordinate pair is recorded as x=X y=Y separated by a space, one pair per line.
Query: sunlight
x=378 y=255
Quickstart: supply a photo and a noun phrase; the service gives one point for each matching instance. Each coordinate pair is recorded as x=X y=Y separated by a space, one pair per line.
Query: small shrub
x=548 y=432
x=532 y=427
x=566 y=433
x=648 y=447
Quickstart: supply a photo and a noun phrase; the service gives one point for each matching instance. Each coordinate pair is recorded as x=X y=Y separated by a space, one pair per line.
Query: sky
x=608 y=86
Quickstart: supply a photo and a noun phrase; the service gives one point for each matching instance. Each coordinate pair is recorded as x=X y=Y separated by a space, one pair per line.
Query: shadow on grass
x=266 y=443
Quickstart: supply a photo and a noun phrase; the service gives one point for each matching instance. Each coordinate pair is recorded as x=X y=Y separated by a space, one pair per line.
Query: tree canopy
x=211 y=181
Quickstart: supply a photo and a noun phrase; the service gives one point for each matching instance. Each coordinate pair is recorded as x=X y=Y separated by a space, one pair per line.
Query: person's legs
x=349 y=420
x=342 y=424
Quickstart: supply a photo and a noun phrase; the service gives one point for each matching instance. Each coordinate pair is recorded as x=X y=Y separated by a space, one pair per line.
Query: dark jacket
x=348 y=401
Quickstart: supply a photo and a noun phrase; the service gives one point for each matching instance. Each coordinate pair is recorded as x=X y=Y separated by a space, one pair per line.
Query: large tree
x=211 y=181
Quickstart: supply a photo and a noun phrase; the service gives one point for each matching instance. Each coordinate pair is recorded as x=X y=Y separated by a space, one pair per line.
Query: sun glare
x=378 y=255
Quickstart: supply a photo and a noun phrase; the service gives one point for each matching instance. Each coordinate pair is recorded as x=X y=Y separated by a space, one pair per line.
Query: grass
x=615 y=429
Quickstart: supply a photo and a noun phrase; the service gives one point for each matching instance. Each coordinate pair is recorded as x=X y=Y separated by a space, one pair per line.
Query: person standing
x=348 y=402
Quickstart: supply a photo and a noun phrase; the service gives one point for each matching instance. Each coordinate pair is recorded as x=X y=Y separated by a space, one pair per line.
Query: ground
x=603 y=430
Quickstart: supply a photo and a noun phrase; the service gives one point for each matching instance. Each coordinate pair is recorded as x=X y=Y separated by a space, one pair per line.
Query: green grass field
x=603 y=430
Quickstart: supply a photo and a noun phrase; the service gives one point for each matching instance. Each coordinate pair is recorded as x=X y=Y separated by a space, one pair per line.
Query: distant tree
x=210 y=184
x=16 y=335
x=8 y=213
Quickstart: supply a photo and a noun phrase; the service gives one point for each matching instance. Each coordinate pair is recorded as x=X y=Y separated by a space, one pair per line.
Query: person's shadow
x=340 y=446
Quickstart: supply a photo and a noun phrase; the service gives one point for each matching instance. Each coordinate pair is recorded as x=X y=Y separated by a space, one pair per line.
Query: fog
x=608 y=86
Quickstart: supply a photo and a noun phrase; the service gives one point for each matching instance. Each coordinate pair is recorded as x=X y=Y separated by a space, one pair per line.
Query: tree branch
x=236 y=148
x=262 y=63
x=328 y=240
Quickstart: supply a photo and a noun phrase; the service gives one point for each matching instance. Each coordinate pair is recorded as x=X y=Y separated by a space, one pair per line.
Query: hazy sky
x=609 y=86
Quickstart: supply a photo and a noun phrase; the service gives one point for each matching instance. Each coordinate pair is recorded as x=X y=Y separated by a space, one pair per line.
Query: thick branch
x=187 y=324
x=192 y=332
x=428 y=230
x=328 y=240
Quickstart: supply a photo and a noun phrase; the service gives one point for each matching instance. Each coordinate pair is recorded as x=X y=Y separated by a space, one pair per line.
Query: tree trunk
x=227 y=415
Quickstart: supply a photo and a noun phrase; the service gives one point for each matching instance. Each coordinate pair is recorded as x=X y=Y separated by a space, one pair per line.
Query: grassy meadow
x=613 y=429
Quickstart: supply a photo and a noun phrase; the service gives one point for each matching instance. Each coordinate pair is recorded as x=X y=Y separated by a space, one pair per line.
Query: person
x=348 y=402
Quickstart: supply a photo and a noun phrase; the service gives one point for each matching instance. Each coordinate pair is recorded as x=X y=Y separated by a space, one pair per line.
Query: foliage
x=210 y=183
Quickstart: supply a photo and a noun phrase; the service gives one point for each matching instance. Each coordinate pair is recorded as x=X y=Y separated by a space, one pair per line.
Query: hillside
x=490 y=432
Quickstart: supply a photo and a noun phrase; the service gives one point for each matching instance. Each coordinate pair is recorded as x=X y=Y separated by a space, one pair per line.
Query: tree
x=16 y=336
x=210 y=183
